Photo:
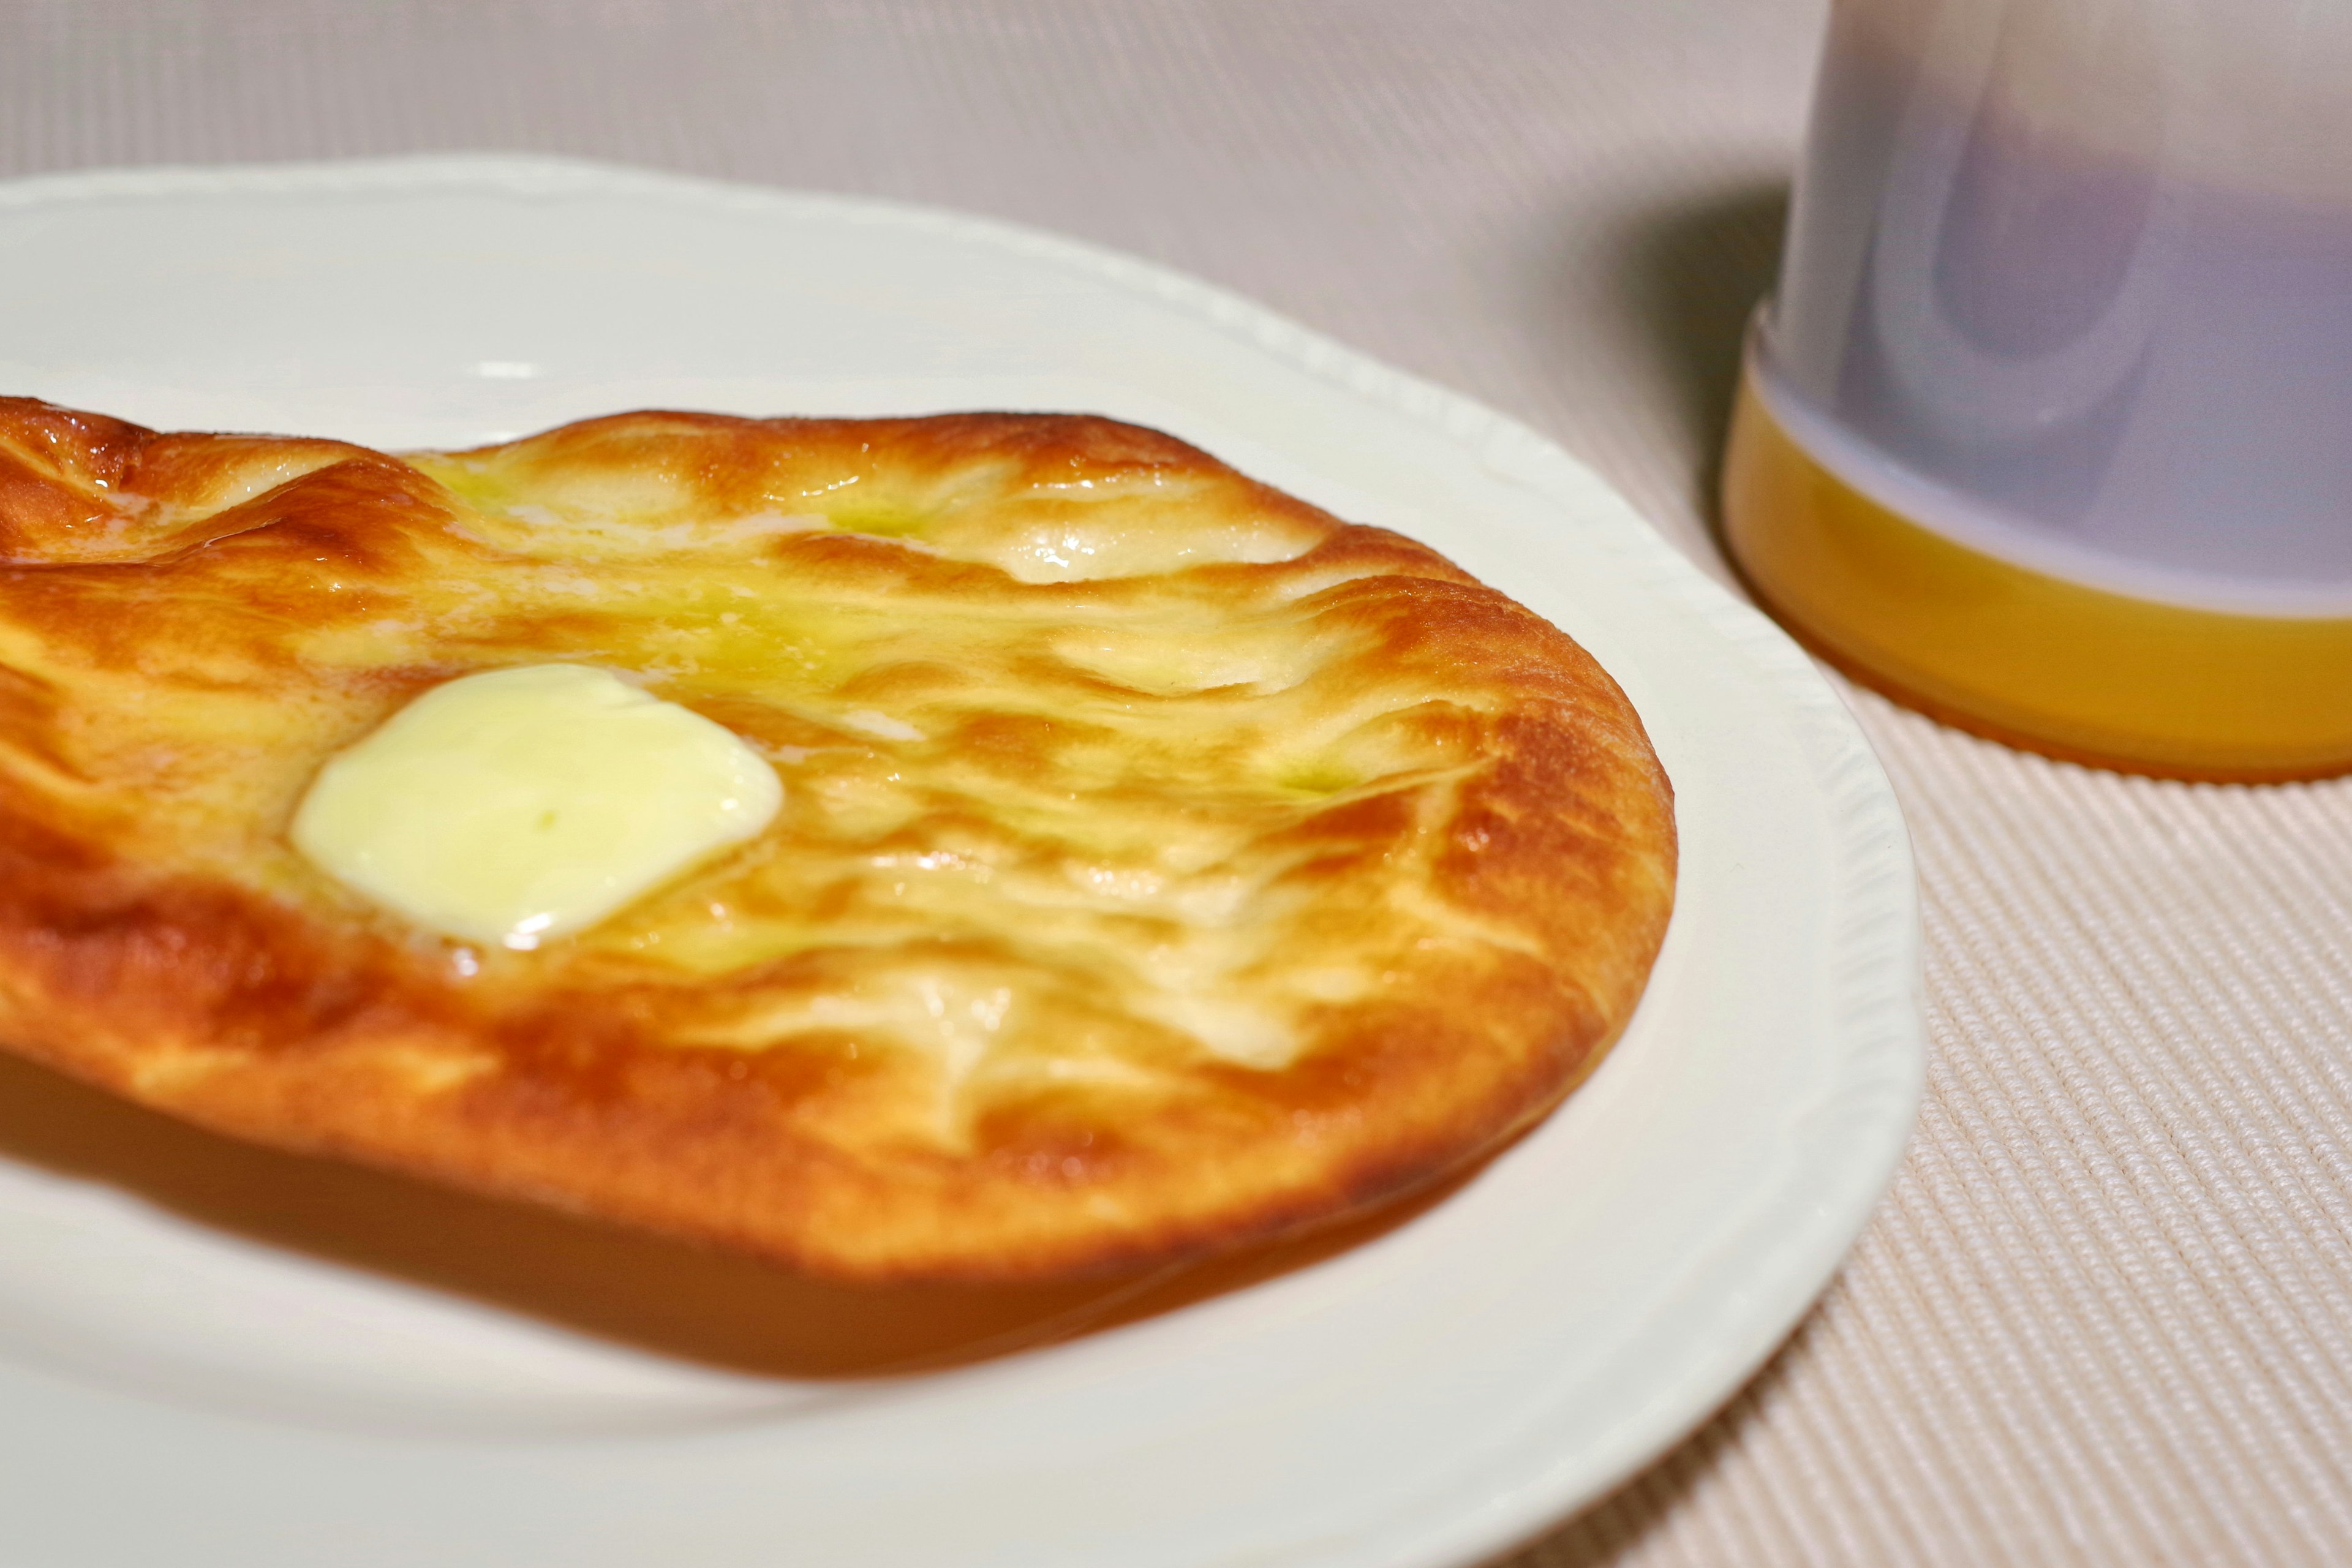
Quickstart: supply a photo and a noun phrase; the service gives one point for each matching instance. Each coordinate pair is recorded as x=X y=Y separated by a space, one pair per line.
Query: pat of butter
x=522 y=804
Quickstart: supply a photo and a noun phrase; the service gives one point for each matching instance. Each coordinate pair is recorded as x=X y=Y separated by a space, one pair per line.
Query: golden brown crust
x=1164 y=865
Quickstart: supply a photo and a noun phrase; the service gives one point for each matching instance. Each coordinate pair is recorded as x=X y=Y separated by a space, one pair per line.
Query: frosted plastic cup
x=2049 y=429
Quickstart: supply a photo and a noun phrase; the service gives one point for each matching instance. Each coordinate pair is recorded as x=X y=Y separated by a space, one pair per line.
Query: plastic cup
x=2049 y=429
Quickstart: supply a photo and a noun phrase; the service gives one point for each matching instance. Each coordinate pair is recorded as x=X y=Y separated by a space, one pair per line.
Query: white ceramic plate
x=173 y=1391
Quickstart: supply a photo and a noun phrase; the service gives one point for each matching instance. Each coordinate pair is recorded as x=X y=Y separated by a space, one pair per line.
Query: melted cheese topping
x=524 y=804
x=1041 y=822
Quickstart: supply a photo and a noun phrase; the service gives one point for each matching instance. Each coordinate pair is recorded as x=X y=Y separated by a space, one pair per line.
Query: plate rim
x=1875 y=988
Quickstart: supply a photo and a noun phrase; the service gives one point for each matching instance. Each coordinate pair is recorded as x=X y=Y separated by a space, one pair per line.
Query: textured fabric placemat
x=2103 y=1317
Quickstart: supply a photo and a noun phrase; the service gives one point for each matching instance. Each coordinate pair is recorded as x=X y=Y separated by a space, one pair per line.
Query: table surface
x=2105 y=1315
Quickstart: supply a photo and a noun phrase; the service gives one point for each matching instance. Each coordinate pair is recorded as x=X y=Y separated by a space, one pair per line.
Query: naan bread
x=1163 y=865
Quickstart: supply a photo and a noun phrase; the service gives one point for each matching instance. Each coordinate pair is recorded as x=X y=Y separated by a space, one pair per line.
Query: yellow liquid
x=2025 y=657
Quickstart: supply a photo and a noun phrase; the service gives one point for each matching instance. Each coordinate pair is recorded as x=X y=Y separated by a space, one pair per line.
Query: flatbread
x=1163 y=864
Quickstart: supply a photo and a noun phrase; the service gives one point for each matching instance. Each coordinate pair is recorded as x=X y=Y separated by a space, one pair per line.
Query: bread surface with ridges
x=1164 y=865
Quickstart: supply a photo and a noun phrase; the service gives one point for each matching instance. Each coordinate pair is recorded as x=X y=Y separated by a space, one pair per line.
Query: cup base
x=2024 y=658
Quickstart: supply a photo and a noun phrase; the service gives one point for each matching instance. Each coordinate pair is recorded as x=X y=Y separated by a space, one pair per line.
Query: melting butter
x=519 y=805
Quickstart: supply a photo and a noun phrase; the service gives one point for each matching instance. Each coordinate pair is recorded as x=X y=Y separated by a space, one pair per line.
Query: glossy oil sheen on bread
x=1162 y=864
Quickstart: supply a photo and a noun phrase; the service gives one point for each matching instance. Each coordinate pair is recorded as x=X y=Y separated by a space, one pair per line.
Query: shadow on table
x=1687 y=276
x=654 y=1295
